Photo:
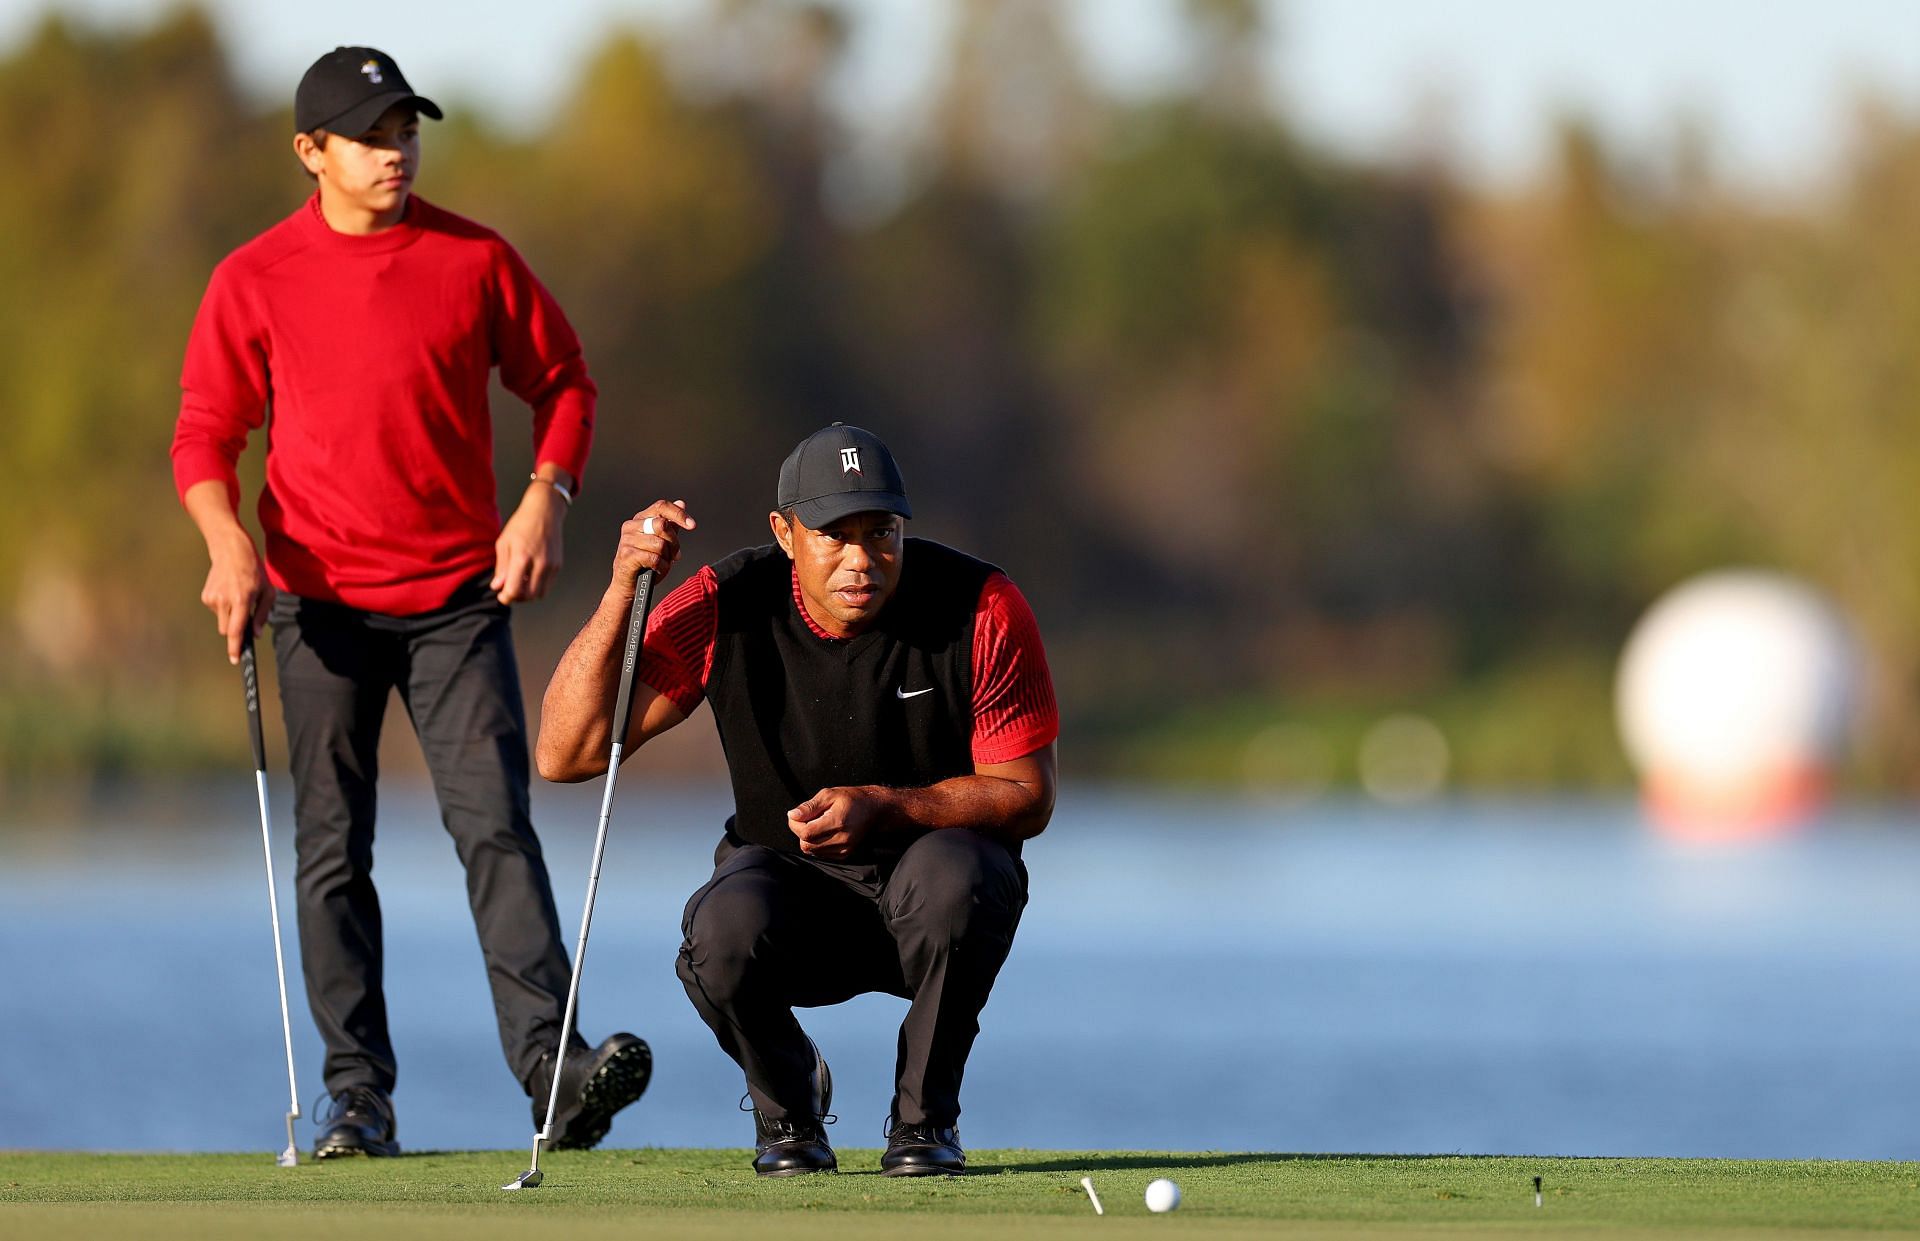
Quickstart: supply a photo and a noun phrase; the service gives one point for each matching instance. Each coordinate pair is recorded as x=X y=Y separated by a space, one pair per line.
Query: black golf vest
x=798 y=713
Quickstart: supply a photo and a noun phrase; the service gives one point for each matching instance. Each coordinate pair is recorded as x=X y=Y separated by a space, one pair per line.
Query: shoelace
x=746 y=1105
x=361 y=1099
x=782 y=1130
x=921 y=1132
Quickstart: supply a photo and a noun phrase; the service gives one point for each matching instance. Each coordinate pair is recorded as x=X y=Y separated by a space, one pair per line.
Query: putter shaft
x=250 y=679
x=622 y=717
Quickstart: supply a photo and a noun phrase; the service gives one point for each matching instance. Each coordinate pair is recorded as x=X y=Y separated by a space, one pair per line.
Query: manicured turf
x=705 y=1193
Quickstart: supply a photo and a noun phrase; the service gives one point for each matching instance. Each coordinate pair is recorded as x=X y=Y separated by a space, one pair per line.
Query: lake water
x=1526 y=977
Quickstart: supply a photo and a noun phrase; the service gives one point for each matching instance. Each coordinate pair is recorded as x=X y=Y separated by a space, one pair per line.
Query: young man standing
x=366 y=323
x=889 y=725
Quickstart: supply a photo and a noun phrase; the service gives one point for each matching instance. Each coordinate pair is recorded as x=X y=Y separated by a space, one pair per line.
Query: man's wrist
x=886 y=806
x=557 y=486
x=557 y=478
x=230 y=541
x=618 y=601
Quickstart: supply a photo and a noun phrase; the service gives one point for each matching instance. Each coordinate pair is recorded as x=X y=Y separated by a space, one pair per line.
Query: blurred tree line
x=1275 y=441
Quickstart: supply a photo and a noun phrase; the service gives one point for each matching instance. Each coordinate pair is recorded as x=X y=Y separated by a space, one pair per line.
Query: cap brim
x=814 y=514
x=362 y=116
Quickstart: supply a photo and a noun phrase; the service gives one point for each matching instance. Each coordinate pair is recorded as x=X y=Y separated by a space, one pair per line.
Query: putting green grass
x=711 y=1193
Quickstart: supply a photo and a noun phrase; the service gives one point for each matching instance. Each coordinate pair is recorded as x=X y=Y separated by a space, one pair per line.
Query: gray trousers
x=455 y=672
x=774 y=930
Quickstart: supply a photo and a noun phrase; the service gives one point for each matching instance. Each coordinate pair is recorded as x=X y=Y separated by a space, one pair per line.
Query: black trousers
x=773 y=930
x=455 y=672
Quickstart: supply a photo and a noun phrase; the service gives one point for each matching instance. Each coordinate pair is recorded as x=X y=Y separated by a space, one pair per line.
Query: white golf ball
x=1162 y=1195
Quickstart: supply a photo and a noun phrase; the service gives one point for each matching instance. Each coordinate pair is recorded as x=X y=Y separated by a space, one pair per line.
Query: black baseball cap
x=840 y=470
x=345 y=92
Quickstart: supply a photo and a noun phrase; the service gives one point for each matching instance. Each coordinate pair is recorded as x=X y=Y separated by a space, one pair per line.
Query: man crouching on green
x=889 y=725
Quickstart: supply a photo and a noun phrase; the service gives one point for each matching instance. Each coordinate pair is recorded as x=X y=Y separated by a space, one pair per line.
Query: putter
x=622 y=711
x=250 y=675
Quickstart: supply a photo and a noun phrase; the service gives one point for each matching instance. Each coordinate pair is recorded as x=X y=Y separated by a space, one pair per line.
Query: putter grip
x=630 y=659
x=250 y=677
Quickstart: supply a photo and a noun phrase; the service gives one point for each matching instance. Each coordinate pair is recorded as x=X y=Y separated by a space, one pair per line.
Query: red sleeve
x=1014 y=713
x=678 y=652
x=541 y=363
x=223 y=388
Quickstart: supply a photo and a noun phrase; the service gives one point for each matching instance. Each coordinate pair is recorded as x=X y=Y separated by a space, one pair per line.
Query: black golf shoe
x=359 y=1121
x=594 y=1084
x=922 y=1150
x=796 y=1145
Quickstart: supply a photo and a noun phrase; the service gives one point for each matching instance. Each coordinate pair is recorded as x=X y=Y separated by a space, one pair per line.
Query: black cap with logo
x=345 y=92
x=840 y=470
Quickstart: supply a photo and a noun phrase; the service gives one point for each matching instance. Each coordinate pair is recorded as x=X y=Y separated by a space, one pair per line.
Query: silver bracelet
x=557 y=485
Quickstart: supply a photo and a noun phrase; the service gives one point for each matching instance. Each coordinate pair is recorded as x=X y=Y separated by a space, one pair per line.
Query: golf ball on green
x=1162 y=1195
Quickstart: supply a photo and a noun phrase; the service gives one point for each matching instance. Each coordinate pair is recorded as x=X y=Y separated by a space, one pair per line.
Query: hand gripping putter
x=622 y=713
x=250 y=676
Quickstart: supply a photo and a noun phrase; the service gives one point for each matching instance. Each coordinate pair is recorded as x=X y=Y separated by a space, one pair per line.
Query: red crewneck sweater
x=373 y=354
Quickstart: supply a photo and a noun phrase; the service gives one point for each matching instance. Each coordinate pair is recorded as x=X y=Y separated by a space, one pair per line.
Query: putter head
x=531 y=1178
x=289 y=1158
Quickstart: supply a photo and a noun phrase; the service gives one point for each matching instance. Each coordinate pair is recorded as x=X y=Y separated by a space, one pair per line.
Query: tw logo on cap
x=372 y=69
x=850 y=461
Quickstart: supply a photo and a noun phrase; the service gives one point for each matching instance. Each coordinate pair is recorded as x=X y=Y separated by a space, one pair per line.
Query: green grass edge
x=1219 y=1188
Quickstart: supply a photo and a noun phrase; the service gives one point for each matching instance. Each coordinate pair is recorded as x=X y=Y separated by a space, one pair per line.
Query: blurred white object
x=1737 y=693
x=1404 y=760
x=1162 y=1195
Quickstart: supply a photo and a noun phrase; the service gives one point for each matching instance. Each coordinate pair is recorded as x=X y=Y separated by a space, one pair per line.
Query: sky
x=1773 y=80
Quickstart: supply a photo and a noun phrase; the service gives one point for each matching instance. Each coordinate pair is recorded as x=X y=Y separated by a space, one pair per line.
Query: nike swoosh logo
x=915 y=694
